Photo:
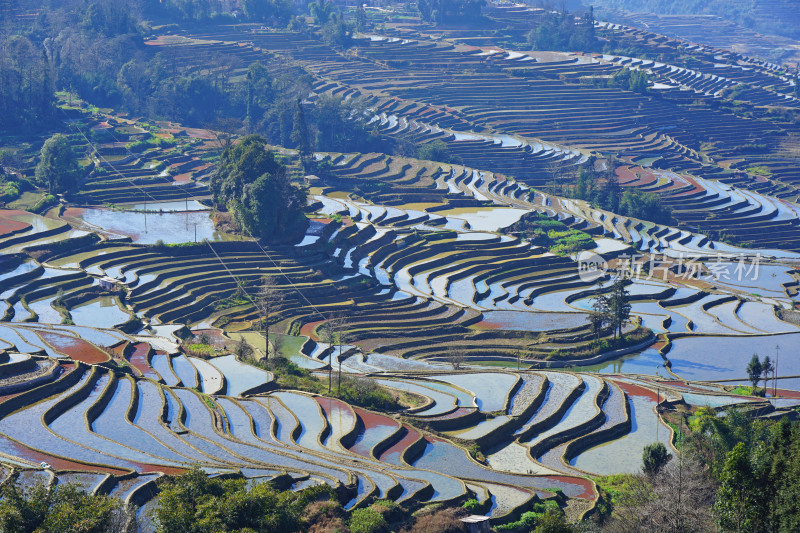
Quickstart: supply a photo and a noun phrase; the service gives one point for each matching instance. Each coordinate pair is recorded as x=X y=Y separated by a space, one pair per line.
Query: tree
x=196 y=503
x=436 y=151
x=735 y=506
x=256 y=188
x=321 y=11
x=754 y=371
x=300 y=135
x=332 y=332
x=599 y=315
x=678 y=499
x=268 y=300
x=766 y=370
x=619 y=306
x=242 y=350
x=367 y=521
x=361 y=18
x=553 y=521
x=612 y=189
x=58 y=509
x=456 y=355
x=654 y=458
x=58 y=167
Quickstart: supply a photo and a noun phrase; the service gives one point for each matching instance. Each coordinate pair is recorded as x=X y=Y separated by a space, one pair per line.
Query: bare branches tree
x=456 y=355
x=678 y=499
x=333 y=333
x=268 y=301
x=242 y=350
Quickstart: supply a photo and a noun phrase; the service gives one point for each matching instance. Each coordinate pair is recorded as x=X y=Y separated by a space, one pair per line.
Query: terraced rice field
x=486 y=331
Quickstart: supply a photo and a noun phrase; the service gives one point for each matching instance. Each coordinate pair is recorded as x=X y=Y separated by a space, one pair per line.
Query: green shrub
x=472 y=506
x=202 y=350
x=368 y=394
x=46 y=201
x=367 y=521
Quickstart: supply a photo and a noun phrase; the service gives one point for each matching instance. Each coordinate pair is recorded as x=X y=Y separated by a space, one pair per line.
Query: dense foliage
x=255 y=187
x=57 y=509
x=196 y=503
x=552 y=234
x=450 y=11
x=58 y=168
x=733 y=474
x=603 y=191
x=26 y=90
x=631 y=80
x=564 y=31
x=436 y=151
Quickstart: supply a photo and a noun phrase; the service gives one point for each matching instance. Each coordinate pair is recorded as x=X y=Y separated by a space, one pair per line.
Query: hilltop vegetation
x=255 y=188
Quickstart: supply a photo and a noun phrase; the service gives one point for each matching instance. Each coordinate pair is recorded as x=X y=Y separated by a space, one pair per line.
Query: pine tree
x=754 y=371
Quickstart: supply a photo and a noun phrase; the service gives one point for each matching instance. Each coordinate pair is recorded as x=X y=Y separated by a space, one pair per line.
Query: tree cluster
x=26 y=86
x=757 y=370
x=58 y=168
x=63 y=508
x=630 y=80
x=612 y=309
x=255 y=187
x=603 y=190
x=552 y=234
x=564 y=31
x=450 y=11
x=270 y=11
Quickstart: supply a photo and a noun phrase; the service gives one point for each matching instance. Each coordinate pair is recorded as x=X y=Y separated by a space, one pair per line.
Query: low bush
x=44 y=202
x=368 y=394
x=367 y=521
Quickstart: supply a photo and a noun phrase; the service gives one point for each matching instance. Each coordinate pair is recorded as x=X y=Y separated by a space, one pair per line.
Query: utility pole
x=775 y=370
x=658 y=419
x=145 y=214
x=195 y=232
x=330 y=368
x=339 y=383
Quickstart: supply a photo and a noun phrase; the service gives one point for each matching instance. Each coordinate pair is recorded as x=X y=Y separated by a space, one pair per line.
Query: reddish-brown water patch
x=461 y=411
x=58 y=463
x=169 y=470
x=373 y=422
x=138 y=360
x=635 y=390
x=9 y=396
x=8 y=225
x=75 y=348
x=786 y=393
x=575 y=483
x=308 y=329
x=485 y=324
x=399 y=447
x=73 y=212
